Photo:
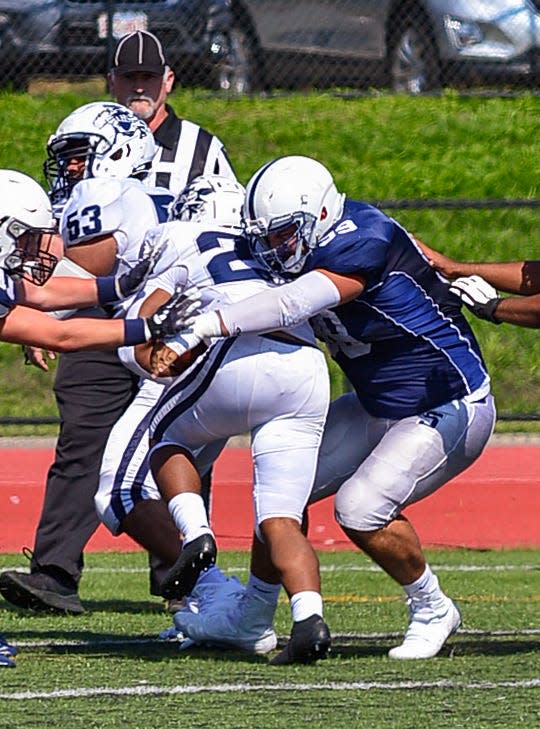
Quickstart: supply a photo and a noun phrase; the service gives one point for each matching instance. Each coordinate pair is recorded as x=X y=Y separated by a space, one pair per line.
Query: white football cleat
x=429 y=628
x=228 y=618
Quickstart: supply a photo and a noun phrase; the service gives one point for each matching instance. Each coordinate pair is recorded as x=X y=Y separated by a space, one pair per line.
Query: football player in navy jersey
x=421 y=411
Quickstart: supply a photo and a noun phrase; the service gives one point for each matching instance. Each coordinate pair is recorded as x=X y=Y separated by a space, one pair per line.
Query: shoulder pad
x=102 y=191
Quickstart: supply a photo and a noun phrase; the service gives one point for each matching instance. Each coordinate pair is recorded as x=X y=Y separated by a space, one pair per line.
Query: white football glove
x=478 y=295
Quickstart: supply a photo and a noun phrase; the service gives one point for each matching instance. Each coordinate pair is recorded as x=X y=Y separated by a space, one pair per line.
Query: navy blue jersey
x=7 y=294
x=403 y=343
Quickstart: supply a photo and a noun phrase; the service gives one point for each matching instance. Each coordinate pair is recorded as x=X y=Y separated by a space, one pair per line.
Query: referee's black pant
x=92 y=389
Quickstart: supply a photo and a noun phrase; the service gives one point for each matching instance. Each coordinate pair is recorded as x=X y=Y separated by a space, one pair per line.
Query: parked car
x=245 y=45
x=409 y=45
x=57 y=37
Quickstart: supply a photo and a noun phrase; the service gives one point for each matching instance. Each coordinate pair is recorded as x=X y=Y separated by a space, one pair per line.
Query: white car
x=409 y=45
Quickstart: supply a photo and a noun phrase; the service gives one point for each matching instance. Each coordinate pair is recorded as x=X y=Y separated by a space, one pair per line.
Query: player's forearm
x=34 y=328
x=279 y=308
x=69 y=292
x=60 y=292
x=514 y=277
x=81 y=333
x=521 y=311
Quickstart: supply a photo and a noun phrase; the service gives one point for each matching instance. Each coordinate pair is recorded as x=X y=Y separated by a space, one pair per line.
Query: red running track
x=494 y=504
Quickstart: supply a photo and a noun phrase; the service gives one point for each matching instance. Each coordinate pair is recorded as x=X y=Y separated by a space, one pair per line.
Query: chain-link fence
x=248 y=45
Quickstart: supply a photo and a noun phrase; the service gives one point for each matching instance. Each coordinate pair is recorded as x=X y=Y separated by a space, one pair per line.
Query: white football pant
x=377 y=466
x=275 y=390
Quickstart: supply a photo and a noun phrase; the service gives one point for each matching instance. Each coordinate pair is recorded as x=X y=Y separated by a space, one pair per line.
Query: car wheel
x=414 y=61
x=237 y=71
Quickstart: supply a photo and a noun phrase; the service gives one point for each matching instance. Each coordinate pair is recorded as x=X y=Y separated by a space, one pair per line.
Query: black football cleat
x=195 y=557
x=310 y=640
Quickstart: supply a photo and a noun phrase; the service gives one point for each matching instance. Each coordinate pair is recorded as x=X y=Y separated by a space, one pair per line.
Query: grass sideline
x=104 y=670
x=378 y=147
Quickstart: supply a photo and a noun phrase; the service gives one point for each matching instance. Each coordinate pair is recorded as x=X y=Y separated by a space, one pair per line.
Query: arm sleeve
x=281 y=307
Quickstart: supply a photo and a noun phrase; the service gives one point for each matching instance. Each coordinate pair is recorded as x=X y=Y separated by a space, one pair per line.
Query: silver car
x=411 y=46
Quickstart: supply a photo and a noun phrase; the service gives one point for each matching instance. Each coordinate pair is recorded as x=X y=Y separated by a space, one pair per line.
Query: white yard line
x=324 y=568
x=240 y=688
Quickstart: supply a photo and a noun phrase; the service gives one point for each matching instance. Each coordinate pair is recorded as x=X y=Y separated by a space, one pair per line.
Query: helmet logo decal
x=121 y=121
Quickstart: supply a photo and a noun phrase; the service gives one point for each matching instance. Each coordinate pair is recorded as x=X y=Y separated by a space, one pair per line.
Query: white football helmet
x=290 y=204
x=26 y=228
x=210 y=199
x=107 y=139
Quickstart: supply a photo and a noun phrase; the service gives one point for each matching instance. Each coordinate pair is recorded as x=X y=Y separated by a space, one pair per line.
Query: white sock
x=267 y=591
x=189 y=515
x=306 y=603
x=425 y=587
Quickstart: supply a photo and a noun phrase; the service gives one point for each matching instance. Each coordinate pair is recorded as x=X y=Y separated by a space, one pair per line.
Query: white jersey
x=125 y=209
x=216 y=261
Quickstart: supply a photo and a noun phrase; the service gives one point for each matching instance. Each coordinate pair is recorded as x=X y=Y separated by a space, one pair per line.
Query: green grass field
x=379 y=148
x=104 y=669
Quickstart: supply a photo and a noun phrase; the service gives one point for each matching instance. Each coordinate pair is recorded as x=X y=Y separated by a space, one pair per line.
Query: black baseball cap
x=139 y=51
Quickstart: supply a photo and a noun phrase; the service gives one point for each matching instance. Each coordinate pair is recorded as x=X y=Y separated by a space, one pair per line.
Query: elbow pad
x=282 y=307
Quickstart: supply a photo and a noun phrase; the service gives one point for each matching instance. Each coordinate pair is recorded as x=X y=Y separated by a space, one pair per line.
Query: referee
x=93 y=389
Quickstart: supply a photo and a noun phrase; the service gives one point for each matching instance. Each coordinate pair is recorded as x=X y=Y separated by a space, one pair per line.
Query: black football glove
x=478 y=295
x=170 y=318
x=130 y=282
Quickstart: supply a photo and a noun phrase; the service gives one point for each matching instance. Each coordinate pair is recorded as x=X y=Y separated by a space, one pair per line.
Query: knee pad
x=357 y=509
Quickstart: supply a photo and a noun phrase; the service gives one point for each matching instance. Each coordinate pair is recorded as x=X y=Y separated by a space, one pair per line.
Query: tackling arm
x=60 y=292
x=484 y=302
x=281 y=307
x=23 y=325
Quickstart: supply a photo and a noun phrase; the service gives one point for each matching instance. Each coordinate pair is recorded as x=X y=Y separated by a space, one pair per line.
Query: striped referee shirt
x=184 y=151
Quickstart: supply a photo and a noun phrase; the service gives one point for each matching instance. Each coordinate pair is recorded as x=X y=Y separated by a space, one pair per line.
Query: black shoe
x=195 y=557
x=41 y=592
x=310 y=640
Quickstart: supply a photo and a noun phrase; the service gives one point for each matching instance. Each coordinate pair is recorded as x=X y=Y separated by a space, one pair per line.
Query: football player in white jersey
x=127 y=500
x=97 y=157
x=275 y=386
x=421 y=412
x=27 y=236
